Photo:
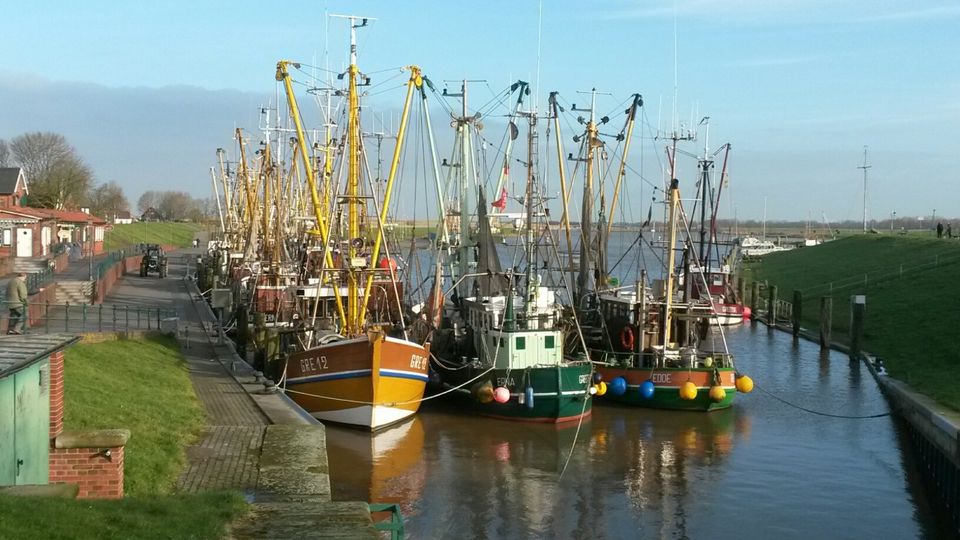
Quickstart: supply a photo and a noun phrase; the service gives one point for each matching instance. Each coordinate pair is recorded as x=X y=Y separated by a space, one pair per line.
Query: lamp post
x=90 y=248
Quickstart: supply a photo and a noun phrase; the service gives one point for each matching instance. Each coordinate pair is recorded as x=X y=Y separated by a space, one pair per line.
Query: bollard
x=754 y=302
x=858 y=307
x=772 y=307
x=797 y=312
x=826 y=321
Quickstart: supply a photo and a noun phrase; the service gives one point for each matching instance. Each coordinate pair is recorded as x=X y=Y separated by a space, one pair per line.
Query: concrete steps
x=29 y=266
x=72 y=292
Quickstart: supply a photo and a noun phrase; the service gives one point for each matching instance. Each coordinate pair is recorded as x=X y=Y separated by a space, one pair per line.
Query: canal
x=762 y=469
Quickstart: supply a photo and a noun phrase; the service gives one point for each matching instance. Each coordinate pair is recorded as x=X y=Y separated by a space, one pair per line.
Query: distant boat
x=754 y=247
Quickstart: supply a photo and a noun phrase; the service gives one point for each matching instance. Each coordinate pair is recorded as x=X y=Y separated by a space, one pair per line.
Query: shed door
x=8 y=455
x=24 y=242
x=32 y=424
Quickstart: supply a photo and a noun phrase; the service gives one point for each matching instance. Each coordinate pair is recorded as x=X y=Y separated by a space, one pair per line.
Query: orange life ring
x=627 y=338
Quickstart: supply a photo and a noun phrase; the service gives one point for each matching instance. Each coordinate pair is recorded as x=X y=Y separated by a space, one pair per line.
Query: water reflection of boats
x=387 y=466
x=659 y=459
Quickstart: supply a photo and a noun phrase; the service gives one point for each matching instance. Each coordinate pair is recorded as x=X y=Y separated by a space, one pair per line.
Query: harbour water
x=762 y=469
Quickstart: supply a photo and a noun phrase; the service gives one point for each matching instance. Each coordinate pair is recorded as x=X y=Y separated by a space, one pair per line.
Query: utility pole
x=865 y=166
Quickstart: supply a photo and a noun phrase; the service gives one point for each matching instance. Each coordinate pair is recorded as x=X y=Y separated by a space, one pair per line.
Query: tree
x=174 y=205
x=4 y=154
x=106 y=200
x=57 y=176
x=149 y=199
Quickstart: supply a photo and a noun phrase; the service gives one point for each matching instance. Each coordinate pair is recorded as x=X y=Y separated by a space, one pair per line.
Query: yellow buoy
x=744 y=384
x=708 y=361
x=688 y=391
x=601 y=388
x=717 y=393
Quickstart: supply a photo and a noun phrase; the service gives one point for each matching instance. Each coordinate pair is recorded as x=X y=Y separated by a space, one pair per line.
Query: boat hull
x=667 y=382
x=560 y=393
x=371 y=382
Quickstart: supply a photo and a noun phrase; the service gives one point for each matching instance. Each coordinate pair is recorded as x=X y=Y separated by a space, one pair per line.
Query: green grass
x=141 y=385
x=911 y=316
x=201 y=515
x=177 y=234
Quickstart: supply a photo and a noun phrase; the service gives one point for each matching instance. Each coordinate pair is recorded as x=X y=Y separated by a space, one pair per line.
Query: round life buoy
x=626 y=338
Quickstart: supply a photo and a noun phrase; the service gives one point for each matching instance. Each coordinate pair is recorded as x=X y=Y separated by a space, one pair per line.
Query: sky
x=146 y=91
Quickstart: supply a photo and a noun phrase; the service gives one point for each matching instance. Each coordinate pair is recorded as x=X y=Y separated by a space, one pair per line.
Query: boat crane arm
x=628 y=129
x=523 y=89
x=284 y=76
x=415 y=81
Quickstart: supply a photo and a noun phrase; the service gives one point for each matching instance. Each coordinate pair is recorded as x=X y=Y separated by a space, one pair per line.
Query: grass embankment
x=176 y=234
x=143 y=386
x=911 y=315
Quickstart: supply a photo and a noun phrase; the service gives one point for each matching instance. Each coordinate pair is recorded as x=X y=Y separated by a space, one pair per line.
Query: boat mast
x=465 y=125
x=671 y=258
x=627 y=135
x=416 y=81
x=531 y=163
x=524 y=89
x=586 y=207
x=318 y=206
x=565 y=194
x=705 y=164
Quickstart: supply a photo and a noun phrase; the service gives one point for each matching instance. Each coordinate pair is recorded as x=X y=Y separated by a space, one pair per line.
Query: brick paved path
x=228 y=452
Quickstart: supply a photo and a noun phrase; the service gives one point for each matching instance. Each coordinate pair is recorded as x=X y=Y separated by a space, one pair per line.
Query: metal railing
x=82 y=318
x=37 y=280
x=394 y=525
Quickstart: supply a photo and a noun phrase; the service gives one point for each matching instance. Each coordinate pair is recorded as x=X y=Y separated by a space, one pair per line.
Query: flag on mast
x=500 y=203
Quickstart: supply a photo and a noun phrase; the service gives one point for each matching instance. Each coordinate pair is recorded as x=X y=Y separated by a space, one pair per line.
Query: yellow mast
x=284 y=75
x=416 y=80
x=353 y=184
x=245 y=176
x=632 y=115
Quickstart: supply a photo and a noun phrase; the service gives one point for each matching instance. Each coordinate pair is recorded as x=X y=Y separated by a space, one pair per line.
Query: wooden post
x=826 y=321
x=772 y=307
x=742 y=290
x=754 y=302
x=858 y=308
x=797 y=312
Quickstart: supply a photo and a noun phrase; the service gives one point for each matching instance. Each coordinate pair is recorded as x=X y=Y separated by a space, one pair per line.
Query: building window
x=548 y=342
x=521 y=343
x=7 y=237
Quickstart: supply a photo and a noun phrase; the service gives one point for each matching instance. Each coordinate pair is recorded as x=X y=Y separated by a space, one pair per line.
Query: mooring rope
x=811 y=411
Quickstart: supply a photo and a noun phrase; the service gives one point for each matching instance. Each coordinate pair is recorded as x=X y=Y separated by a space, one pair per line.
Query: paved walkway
x=227 y=454
x=279 y=461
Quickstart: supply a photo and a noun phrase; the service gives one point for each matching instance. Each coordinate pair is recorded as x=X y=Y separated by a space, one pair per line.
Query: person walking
x=16 y=298
x=939 y=230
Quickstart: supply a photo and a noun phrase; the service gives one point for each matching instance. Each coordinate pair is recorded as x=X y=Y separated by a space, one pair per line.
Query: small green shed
x=25 y=406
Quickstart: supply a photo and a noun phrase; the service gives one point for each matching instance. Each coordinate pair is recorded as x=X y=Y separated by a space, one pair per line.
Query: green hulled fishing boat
x=501 y=340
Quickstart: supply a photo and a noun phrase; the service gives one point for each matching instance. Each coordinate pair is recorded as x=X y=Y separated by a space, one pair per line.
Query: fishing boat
x=501 y=342
x=648 y=342
x=659 y=360
x=362 y=370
